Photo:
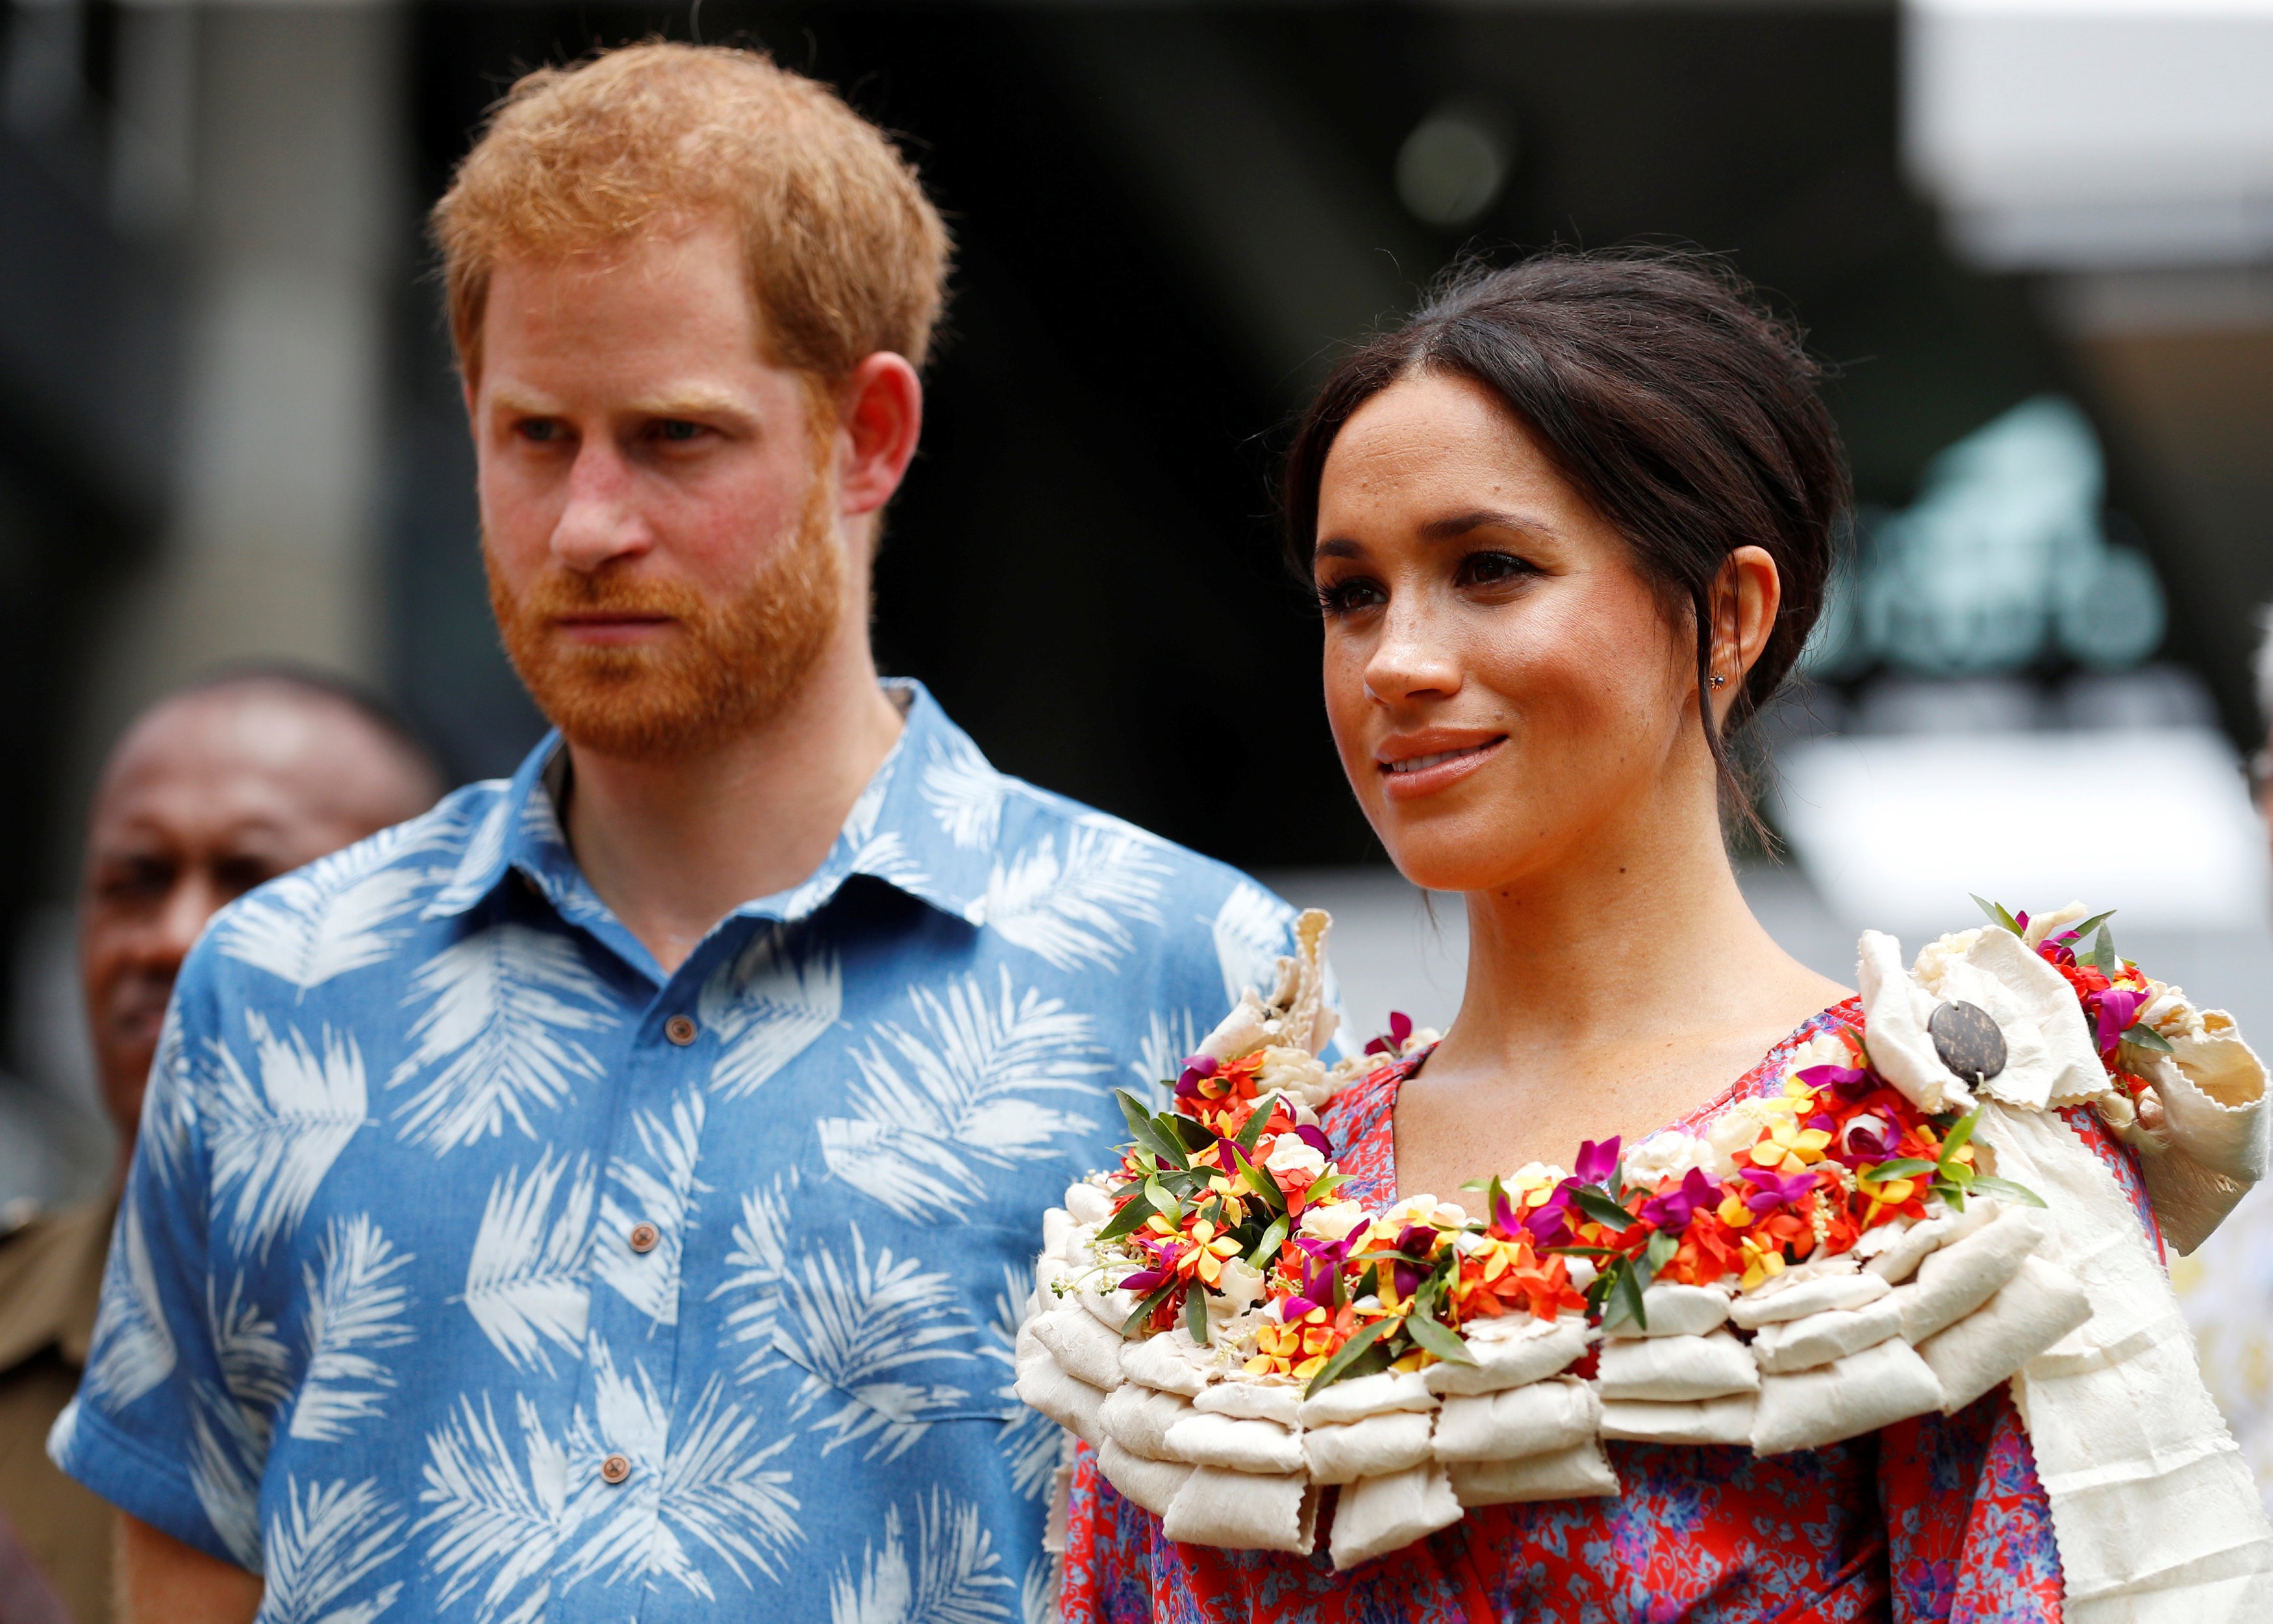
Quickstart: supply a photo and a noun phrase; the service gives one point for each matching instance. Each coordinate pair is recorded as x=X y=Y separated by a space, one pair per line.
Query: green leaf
x=2097 y=922
x=1134 y=1325
x=1267 y=1249
x=1321 y=1186
x=1586 y=1252
x=1622 y=1301
x=1444 y=1344
x=1253 y=1131
x=2103 y=958
x=1984 y=1185
x=1192 y=1135
x=1145 y=1129
x=1346 y=1356
x=1133 y=1109
x=1259 y=1181
x=1956 y=1140
x=1998 y=915
x=1901 y=1167
x=1603 y=1210
x=2146 y=1038
x=1167 y=1205
x=1956 y=1173
x=1952 y=1194
x=1196 y=1315
x=1128 y=1218
x=1661 y=1250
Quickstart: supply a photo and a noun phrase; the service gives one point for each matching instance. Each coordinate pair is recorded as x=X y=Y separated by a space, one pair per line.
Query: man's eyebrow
x=692 y=400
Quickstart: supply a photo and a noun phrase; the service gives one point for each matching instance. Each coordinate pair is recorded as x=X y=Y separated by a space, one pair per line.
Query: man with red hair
x=612 y=1192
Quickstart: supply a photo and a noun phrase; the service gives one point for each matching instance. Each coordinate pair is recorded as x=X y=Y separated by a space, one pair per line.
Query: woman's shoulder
x=1828 y=1037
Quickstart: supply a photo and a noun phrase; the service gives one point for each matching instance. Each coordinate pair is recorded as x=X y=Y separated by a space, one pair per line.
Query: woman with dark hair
x=1569 y=526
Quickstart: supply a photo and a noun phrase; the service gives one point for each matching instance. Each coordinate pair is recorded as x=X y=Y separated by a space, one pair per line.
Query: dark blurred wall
x=1168 y=218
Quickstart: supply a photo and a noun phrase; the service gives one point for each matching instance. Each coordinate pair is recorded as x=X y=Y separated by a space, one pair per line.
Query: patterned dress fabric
x=451 y=1209
x=1936 y=1518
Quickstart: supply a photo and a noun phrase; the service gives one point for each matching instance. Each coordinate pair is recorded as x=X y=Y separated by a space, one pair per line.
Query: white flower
x=1670 y=1155
x=1296 y=1072
x=1240 y=1282
x=1289 y=1154
x=1331 y=1220
x=1738 y=1128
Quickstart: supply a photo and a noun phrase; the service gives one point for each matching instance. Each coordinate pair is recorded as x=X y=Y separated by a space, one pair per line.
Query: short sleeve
x=164 y=1427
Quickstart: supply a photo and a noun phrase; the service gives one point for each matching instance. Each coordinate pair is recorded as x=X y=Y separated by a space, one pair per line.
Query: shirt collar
x=925 y=824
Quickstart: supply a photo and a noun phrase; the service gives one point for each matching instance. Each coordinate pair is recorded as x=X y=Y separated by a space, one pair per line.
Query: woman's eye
x=1492 y=569
x=1347 y=597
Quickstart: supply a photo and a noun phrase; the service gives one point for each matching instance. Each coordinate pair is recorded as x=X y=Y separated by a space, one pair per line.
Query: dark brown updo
x=1666 y=392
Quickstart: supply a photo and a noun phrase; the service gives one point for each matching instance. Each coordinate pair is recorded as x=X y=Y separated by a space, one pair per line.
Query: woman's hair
x=1665 y=391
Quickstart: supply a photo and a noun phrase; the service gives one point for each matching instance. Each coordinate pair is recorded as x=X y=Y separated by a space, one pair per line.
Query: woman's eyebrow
x=1455 y=525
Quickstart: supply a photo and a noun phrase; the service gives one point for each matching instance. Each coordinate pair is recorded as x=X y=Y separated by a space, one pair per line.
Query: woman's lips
x=1409 y=777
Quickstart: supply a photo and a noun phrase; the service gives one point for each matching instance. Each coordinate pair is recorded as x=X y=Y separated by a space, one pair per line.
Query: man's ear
x=879 y=420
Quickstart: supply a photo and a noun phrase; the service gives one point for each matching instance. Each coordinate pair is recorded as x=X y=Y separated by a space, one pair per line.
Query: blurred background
x=2034 y=237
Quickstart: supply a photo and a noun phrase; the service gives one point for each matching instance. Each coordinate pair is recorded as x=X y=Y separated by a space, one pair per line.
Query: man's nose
x=601 y=522
x=193 y=900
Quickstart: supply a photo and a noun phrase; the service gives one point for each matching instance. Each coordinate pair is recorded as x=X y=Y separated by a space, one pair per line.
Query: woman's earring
x=1719 y=681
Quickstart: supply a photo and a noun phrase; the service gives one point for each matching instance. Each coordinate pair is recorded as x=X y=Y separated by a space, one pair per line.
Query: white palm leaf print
x=767 y=1006
x=274 y=1141
x=1037 y=1597
x=322 y=1546
x=338 y=914
x=758 y=1255
x=861 y=848
x=955 y=1578
x=355 y=1308
x=1250 y=934
x=966 y=1095
x=659 y=1187
x=1072 y=912
x=494 y=1526
x=1029 y=1441
x=133 y=1346
x=229 y=1447
x=1168 y=1041
x=854 y=1329
x=255 y=1364
x=495 y=1042
x=966 y=794
x=717 y=1486
x=169 y=1105
x=525 y=1278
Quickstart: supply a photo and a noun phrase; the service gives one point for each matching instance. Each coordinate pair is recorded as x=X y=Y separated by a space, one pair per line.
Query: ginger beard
x=737 y=664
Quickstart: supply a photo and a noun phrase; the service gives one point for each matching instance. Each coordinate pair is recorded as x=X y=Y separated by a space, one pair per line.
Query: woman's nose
x=1413 y=658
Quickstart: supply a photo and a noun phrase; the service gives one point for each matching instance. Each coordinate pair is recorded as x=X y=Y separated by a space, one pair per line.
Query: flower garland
x=1225 y=1219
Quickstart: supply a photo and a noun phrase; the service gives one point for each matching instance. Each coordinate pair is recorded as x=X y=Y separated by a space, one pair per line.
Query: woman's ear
x=1746 y=594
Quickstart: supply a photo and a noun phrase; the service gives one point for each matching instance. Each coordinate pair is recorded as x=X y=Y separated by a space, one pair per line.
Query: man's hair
x=844 y=254
x=314 y=685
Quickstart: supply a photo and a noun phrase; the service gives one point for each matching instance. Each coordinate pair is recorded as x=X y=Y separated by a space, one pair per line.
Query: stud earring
x=1719 y=681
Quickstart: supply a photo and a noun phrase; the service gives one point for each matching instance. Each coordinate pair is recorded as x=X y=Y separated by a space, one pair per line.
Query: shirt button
x=644 y=1236
x=615 y=1469
x=679 y=1029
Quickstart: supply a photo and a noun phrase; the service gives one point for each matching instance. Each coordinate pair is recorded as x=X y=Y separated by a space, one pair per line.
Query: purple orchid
x=1316 y=1139
x=1196 y=1067
x=1865 y=1144
x=2119 y=1008
x=1849 y=1082
x=1400 y=1027
x=1549 y=1223
x=1322 y=1262
x=1775 y=1189
x=1671 y=1211
x=1598 y=1164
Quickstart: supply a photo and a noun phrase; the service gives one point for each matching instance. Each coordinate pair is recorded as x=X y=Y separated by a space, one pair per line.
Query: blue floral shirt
x=473 y=1268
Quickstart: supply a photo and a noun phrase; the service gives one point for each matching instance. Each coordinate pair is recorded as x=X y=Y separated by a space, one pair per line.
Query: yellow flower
x=1734 y=1213
x=1788 y=1148
x=1761 y=1263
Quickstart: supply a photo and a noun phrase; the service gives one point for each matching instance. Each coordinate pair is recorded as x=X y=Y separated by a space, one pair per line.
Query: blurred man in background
x=211 y=792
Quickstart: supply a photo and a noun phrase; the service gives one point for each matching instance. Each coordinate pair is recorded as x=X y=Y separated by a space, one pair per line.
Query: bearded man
x=612 y=1194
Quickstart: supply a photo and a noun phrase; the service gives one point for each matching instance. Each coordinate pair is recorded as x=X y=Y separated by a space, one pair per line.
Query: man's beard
x=734 y=667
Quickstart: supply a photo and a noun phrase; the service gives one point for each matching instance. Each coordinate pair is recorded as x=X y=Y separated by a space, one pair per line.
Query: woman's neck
x=1610 y=992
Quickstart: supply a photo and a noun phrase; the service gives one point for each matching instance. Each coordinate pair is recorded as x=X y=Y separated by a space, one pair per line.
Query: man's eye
x=677 y=431
x=540 y=430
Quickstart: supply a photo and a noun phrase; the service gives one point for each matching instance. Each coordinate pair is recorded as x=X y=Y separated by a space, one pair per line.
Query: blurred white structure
x=2086 y=135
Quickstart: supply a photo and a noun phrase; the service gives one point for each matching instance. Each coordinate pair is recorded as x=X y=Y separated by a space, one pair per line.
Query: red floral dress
x=1938 y=1517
